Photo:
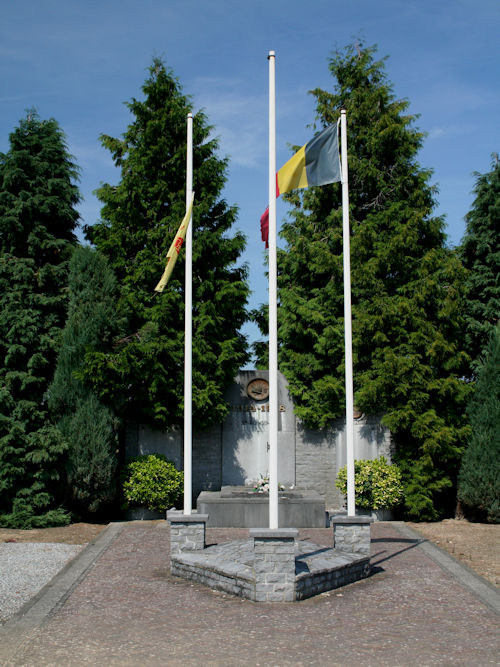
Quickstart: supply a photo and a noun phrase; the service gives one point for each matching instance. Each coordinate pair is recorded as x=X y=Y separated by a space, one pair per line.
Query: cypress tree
x=37 y=218
x=480 y=252
x=143 y=373
x=479 y=478
x=408 y=361
x=88 y=426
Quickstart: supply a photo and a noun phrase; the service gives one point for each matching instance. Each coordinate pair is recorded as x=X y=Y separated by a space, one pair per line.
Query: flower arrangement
x=377 y=484
x=262 y=485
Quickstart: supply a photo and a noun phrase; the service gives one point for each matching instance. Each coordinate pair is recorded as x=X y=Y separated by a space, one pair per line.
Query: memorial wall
x=235 y=453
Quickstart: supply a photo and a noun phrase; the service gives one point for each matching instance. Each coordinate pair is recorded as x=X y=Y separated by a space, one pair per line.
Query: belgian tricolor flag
x=316 y=163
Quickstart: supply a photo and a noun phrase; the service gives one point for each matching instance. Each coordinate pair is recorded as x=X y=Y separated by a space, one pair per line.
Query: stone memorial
x=234 y=453
x=240 y=506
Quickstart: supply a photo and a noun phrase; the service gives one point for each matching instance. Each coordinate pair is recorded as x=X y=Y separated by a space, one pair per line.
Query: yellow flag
x=175 y=248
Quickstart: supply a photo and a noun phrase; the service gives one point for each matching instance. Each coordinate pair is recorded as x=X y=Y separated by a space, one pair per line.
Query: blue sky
x=79 y=61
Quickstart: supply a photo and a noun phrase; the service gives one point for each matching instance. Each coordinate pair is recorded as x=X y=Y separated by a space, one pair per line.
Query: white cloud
x=90 y=155
x=452 y=130
x=241 y=121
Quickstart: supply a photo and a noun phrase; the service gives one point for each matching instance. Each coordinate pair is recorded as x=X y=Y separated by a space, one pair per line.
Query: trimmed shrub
x=377 y=484
x=151 y=481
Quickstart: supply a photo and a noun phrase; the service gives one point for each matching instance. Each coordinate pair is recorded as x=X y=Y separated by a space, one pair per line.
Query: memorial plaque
x=258 y=389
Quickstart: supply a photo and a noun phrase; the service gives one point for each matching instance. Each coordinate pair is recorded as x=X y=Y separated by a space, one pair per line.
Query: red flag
x=264 y=226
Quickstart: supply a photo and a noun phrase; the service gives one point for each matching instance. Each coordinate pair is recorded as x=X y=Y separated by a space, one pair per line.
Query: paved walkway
x=117 y=604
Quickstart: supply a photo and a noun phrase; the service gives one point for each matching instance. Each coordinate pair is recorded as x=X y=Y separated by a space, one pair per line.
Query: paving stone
x=127 y=610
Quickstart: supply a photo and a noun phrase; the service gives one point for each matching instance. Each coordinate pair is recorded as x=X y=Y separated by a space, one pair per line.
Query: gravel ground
x=25 y=568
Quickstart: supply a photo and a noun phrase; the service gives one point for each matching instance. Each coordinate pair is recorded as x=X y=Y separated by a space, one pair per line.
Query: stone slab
x=177 y=516
x=277 y=533
x=350 y=520
x=245 y=509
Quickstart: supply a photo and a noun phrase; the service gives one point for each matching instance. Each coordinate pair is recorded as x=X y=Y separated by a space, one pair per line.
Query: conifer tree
x=480 y=252
x=88 y=427
x=479 y=478
x=143 y=374
x=37 y=218
x=408 y=361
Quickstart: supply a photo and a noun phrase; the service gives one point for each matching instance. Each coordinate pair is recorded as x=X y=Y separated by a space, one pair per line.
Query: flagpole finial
x=272 y=54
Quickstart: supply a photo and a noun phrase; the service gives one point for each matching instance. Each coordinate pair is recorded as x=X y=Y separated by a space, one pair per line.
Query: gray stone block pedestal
x=187 y=531
x=274 y=564
x=352 y=534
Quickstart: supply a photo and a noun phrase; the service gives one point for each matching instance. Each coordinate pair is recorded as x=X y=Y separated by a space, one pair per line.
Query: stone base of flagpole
x=271 y=566
x=187 y=531
x=352 y=534
x=274 y=564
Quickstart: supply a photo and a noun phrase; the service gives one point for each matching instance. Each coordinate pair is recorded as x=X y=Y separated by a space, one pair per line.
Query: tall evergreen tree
x=480 y=251
x=37 y=218
x=89 y=427
x=143 y=374
x=479 y=478
x=408 y=361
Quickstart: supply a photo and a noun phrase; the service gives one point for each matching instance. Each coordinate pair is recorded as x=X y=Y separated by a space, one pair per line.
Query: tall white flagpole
x=349 y=398
x=273 y=305
x=188 y=335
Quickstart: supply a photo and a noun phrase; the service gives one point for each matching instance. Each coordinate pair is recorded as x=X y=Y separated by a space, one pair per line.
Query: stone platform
x=230 y=567
x=242 y=507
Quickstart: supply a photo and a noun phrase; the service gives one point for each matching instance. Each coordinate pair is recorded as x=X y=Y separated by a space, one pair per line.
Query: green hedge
x=151 y=481
x=377 y=484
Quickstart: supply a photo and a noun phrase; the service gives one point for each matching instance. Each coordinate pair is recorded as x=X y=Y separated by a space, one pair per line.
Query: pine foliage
x=480 y=251
x=143 y=374
x=37 y=218
x=408 y=361
x=479 y=478
x=88 y=426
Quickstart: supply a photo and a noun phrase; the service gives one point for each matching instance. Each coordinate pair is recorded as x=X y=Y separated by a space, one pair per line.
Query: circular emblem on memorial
x=258 y=389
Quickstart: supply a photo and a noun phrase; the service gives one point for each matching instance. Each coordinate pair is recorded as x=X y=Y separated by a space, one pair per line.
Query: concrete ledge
x=177 y=516
x=344 y=519
x=274 y=533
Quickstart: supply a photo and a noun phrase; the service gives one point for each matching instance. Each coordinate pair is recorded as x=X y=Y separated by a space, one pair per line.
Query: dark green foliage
x=408 y=361
x=143 y=374
x=88 y=426
x=480 y=251
x=479 y=478
x=151 y=481
x=37 y=219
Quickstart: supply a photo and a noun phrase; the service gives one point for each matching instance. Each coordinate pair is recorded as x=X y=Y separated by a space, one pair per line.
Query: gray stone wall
x=274 y=564
x=307 y=584
x=207 y=460
x=352 y=534
x=316 y=463
x=187 y=533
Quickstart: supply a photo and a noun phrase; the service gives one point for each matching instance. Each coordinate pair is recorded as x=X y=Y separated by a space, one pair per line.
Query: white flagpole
x=273 y=305
x=188 y=335
x=349 y=398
